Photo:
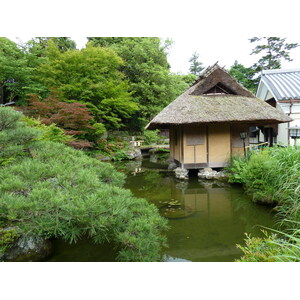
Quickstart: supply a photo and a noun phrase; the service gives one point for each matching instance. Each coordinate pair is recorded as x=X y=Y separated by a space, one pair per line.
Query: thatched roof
x=217 y=97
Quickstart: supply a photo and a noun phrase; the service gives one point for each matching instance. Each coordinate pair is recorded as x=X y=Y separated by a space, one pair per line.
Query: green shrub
x=151 y=137
x=235 y=168
x=273 y=176
x=56 y=191
x=9 y=118
x=259 y=175
x=7 y=238
x=120 y=155
x=275 y=247
x=63 y=193
x=48 y=133
x=15 y=138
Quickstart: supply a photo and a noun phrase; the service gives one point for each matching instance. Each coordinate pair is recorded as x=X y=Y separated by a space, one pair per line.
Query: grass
x=272 y=176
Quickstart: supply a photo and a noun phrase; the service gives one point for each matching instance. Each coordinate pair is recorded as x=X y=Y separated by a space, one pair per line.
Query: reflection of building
x=209 y=120
x=212 y=202
x=281 y=89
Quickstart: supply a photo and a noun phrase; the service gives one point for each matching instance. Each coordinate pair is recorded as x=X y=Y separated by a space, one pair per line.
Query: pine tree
x=273 y=49
x=195 y=66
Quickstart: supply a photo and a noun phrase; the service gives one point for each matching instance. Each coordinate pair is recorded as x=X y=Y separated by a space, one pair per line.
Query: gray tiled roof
x=283 y=84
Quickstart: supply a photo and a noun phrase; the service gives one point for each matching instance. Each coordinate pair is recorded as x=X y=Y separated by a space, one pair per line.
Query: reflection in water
x=207 y=219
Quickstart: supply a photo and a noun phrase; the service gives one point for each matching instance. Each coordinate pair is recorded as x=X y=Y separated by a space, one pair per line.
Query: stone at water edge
x=209 y=173
x=181 y=173
x=172 y=166
x=28 y=248
x=134 y=154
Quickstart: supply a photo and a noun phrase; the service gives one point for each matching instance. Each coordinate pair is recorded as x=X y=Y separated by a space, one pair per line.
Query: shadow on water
x=206 y=218
x=82 y=251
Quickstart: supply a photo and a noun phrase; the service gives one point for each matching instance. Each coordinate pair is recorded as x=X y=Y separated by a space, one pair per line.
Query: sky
x=217 y=30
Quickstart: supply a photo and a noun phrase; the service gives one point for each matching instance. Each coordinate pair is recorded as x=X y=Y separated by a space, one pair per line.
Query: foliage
x=114 y=147
x=195 y=65
x=272 y=176
x=271 y=248
x=120 y=155
x=259 y=175
x=60 y=192
x=7 y=238
x=15 y=138
x=38 y=46
x=244 y=76
x=90 y=75
x=148 y=71
x=74 y=118
x=9 y=118
x=14 y=71
x=275 y=246
x=189 y=79
x=73 y=200
x=235 y=168
x=49 y=133
x=273 y=49
x=110 y=146
x=151 y=137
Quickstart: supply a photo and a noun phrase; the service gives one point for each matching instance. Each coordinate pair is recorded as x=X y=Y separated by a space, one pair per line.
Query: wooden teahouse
x=207 y=122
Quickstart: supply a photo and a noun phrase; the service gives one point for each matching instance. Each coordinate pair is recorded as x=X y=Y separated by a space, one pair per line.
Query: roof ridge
x=208 y=71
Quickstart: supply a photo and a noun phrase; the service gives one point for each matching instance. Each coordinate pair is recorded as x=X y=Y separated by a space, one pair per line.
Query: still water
x=206 y=218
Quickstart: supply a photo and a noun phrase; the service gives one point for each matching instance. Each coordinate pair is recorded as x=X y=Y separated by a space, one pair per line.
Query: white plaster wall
x=282 y=137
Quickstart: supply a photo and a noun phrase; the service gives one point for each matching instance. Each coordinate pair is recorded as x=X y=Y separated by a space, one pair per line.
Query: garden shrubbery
x=56 y=191
x=272 y=176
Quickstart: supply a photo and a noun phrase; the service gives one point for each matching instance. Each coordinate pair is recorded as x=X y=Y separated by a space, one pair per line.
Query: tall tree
x=195 y=65
x=38 y=45
x=14 y=71
x=90 y=75
x=273 y=51
x=244 y=76
x=148 y=71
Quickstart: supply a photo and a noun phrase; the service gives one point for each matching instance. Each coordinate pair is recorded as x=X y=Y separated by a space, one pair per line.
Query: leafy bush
x=9 y=118
x=151 y=137
x=273 y=176
x=15 y=138
x=48 y=133
x=270 y=175
x=273 y=247
x=56 y=191
x=120 y=155
x=7 y=238
x=259 y=175
x=73 y=117
x=235 y=168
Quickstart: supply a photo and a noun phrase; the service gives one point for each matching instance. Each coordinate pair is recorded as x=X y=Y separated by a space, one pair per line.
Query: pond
x=206 y=218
